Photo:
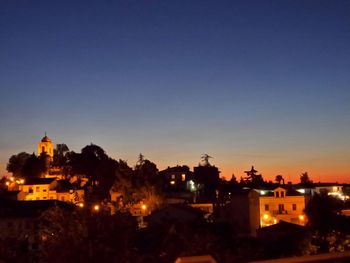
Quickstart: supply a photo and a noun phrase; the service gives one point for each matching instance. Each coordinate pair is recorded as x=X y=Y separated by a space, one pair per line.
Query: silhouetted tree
x=17 y=162
x=59 y=157
x=94 y=164
x=35 y=166
x=45 y=162
x=305 y=179
x=330 y=228
x=279 y=179
x=322 y=212
x=233 y=179
x=253 y=178
x=64 y=230
x=146 y=172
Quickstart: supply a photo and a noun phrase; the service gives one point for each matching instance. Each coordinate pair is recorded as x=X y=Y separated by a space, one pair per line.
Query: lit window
x=173 y=176
x=294 y=207
x=183 y=177
x=267 y=208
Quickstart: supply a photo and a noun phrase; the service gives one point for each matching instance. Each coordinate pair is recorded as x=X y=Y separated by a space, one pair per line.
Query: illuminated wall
x=281 y=206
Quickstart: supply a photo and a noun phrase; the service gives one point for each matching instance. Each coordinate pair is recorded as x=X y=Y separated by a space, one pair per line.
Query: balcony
x=279 y=212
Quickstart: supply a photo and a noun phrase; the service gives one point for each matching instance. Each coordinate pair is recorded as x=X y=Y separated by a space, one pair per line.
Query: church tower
x=45 y=145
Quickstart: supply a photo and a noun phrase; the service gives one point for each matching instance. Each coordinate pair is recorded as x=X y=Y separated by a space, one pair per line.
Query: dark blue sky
x=249 y=82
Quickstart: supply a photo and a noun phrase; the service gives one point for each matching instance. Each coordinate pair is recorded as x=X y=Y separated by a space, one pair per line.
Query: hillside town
x=58 y=190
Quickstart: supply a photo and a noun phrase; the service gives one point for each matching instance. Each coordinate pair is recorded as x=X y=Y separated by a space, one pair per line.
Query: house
x=208 y=178
x=283 y=204
x=178 y=186
x=176 y=178
x=67 y=192
x=39 y=189
x=49 y=189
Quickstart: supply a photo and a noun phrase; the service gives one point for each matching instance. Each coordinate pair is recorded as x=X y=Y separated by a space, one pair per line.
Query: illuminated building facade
x=39 y=189
x=283 y=204
x=50 y=189
x=176 y=178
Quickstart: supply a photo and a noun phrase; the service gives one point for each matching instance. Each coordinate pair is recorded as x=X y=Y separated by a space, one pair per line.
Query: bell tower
x=45 y=145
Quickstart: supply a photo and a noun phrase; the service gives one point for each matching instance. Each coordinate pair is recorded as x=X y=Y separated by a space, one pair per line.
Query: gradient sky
x=263 y=83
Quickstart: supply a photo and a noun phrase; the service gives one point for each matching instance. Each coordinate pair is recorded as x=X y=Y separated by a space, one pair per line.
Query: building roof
x=64 y=186
x=46 y=139
x=34 y=181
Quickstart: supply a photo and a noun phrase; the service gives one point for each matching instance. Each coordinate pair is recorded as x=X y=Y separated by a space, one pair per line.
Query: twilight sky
x=263 y=83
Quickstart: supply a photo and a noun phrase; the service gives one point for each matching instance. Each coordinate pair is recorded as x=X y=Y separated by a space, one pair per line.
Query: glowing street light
x=96 y=208
x=266 y=216
x=81 y=205
x=7 y=183
x=143 y=207
x=301 y=217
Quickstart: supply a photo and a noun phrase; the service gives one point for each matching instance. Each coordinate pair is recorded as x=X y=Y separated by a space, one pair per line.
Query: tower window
x=43 y=149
